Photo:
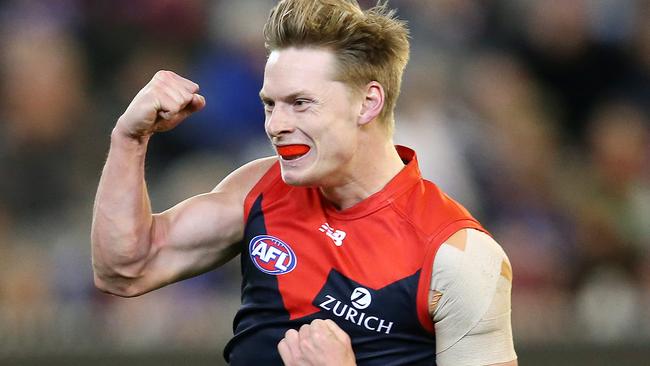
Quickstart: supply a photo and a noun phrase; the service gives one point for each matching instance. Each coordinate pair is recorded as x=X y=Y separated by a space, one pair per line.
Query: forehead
x=298 y=68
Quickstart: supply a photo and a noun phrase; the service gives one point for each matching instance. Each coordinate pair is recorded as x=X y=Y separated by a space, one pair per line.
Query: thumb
x=197 y=103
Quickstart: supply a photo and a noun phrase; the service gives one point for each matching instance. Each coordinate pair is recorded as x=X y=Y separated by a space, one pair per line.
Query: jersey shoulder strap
x=268 y=180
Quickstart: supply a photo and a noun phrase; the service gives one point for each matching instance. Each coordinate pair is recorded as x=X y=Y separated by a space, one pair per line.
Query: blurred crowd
x=533 y=114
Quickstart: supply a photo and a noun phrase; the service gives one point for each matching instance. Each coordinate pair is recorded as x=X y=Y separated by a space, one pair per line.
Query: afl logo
x=361 y=298
x=271 y=255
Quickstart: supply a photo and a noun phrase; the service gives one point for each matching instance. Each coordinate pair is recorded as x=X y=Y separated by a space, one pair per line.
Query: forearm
x=130 y=248
x=122 y=219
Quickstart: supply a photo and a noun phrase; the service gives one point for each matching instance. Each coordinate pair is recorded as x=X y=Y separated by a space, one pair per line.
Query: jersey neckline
x=403 y=181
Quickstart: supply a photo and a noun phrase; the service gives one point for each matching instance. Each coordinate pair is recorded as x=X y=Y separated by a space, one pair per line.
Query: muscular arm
x=470 y=302
x=135 y=251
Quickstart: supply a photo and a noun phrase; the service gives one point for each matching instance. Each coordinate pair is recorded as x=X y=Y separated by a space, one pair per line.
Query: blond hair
x=370 y=45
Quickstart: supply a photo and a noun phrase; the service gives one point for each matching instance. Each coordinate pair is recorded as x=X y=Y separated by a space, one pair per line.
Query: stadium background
x=534 y=114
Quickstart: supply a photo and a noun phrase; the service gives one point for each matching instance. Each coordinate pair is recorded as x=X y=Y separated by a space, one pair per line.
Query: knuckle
x=331 y=324
x=163 y=75
x=289 y=333
x=159 y=74
x=304 y=344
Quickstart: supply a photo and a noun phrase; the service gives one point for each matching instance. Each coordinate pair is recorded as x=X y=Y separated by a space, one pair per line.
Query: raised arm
x=135 y=251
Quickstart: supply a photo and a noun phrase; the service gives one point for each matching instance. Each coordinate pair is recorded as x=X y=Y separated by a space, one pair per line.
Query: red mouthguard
x=293 y=150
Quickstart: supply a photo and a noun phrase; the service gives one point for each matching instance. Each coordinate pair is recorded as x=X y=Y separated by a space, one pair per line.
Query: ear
x=373 y=102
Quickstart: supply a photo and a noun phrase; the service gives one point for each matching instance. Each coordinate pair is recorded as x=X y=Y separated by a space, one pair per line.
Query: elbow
x=120 y=269
x=121 y=276
x=117 y=285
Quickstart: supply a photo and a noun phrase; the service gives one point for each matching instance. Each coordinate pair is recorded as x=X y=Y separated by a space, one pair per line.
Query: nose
x=278 y=122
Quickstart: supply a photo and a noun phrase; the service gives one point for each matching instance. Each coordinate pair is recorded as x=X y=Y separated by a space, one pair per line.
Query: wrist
x=123 y=138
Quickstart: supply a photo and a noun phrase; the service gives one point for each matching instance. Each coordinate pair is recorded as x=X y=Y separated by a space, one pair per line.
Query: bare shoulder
x=459 y=239
x=510 y=363
x=245 y=177
x=462 y=238
x=490 y=248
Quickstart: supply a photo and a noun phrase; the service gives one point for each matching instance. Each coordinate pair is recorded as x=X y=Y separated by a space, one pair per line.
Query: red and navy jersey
x=368 y=267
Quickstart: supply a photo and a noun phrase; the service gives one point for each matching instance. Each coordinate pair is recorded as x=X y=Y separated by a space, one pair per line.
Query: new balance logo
x=337 y=236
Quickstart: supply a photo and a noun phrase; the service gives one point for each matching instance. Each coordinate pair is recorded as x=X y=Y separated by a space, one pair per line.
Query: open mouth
x=292 y=152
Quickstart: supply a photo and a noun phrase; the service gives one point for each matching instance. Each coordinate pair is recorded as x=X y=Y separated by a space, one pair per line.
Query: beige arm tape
x=470 y=301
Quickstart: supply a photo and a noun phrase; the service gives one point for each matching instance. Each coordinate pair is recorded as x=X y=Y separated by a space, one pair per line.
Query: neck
x=373 y=167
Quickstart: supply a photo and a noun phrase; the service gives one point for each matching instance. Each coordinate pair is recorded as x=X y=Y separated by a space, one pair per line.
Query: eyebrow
x=291 y=96
x=263 y=96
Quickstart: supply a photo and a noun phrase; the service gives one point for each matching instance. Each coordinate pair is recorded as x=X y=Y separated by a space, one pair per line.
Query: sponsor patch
x=271 y=255
x=360 y=299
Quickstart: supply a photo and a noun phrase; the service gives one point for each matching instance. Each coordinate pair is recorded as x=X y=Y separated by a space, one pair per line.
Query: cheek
x=339 y=145
x=338 y=132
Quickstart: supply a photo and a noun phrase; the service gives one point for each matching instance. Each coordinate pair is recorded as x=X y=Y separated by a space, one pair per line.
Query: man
x=337 y=233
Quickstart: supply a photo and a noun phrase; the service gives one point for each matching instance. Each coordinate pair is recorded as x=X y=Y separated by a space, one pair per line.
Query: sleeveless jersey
x=368 y=267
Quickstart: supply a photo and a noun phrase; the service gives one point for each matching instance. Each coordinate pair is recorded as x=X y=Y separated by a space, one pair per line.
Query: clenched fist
x=160 y=106
x=320 y=343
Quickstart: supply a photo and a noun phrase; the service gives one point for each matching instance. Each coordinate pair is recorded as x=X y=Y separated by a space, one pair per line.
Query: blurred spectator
x=229 y=68
x=517 y=161
x=426 y=122
x=614 y=224
x=47 y=132
x=564 y=55
x=533 y=114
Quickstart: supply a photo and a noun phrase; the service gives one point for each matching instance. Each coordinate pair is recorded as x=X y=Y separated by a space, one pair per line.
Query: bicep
x=198 y=234
x=472 y=317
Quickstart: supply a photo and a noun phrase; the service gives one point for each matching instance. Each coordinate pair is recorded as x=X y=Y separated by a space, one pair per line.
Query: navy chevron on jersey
x=368 y=267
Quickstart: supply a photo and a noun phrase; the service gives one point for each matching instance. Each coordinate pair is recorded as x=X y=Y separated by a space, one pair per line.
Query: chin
x=297 y=180
x=297 y=177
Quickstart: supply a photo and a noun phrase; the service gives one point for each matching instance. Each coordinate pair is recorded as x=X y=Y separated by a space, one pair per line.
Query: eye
x=268 y=105
x=301 y=104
